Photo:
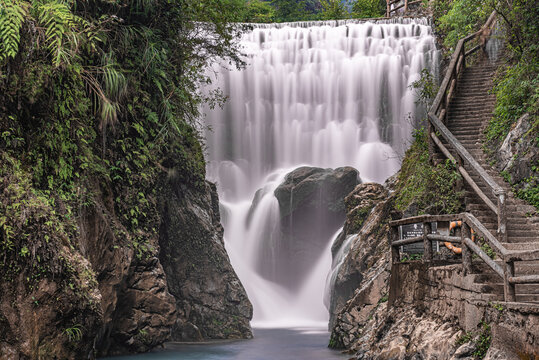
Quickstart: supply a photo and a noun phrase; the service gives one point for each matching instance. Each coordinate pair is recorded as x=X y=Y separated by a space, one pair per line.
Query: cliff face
x=360 y=251
x=210 y=300
x=99 y=296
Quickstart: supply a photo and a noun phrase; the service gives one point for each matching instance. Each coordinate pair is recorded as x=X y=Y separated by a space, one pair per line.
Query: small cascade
x=325 y=94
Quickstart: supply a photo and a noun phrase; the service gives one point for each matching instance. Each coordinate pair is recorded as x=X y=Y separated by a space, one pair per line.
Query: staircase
x=457 y=118
x=468 y=114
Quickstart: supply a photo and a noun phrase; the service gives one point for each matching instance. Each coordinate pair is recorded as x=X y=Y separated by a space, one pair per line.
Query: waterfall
x=324 y=94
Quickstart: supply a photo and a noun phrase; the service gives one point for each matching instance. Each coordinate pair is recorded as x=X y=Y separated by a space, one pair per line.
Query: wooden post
x=394 y=236
x=388 y=9
x=508 y=288
x=502 y=219
x=466 y=253
x=459 y=164
x=427 y=245
x=405 y=6
x=432 y=147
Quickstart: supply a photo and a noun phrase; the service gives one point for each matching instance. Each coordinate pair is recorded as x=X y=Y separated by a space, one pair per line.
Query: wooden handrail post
x=465 y=232
x=427 y=244
x=388 y=9
x=394 y=236
x=405 y=6
x=509 y=288
x=460 y=182
x=502 y=218
x=431 y=144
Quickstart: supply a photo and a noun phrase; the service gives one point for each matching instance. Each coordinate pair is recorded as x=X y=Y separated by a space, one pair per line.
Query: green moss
x=357 y=219
x=335 y=342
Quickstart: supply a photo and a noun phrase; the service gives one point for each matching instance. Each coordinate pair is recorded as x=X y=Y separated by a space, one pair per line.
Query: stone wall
x=443 y=292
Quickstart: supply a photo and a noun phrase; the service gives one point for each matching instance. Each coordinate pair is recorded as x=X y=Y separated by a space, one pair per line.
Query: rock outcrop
x=518 y=154
x=211 y=301
x=360 y=258
x=98 y=294
x=311 y=203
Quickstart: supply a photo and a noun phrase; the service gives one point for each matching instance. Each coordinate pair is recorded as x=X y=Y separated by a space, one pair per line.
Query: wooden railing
x=506 y=270
x=393 y=10
x=437 y=116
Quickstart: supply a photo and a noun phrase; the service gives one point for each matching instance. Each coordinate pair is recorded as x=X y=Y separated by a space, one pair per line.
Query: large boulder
x=210 y=299
x=311 y=204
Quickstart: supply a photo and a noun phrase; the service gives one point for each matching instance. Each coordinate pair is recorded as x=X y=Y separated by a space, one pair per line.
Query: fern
x=12 y=16
x=64 y=31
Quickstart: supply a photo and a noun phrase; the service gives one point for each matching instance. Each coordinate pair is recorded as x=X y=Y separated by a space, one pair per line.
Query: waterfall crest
x=326 y=94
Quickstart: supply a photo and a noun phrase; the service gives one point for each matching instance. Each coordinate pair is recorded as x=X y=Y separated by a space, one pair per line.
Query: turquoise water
x=268 y=344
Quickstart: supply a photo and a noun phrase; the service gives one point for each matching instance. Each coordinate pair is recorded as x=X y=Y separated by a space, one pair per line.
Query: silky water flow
x=324 y=94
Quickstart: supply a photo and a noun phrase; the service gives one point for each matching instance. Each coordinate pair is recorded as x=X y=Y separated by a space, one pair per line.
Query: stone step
x=467 y=128
x=484 y=278
x=489 y=288
x=532 y=289
x=466 y=120
x=468 y=112
x=508 y=206
x=522 y=268
x=527 y=298
x=521 y=246
x=523 y=240
x=468 y=136
x=457 y=104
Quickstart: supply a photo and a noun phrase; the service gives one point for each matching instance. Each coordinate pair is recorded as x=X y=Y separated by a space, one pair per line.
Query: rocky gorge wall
x=99 y=296
x=409 y=310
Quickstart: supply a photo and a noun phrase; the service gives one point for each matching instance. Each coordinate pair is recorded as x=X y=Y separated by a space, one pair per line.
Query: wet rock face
x=311 y=203
x=210 y=300
x=360 y=254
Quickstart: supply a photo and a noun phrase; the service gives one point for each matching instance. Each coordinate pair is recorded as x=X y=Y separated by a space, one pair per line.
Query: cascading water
x=326 y=94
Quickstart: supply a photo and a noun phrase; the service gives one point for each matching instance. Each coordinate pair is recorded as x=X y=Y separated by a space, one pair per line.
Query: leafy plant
x=259 y=11
x=487 y=249
x=464 y=338
x=333 y=10
x=483 y=341
x=425 y=88
x=12 y=17
x=368 y=8
x=461 y=18
x=411 y=257
x=432 y=189
x=74 y=333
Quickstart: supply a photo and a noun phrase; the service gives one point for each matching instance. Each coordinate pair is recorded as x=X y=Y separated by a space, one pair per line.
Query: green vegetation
x=411 y=257
x=74 y=333
x=517 y=84
x=260 y=11
x=496 y=306
x=422 y=186
x=335 y=341
x=429 y=188
x=481 y=340
x=458 y=18
x=368 y=9
x=99 y=105
x=333 y=10
x=464 y=338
